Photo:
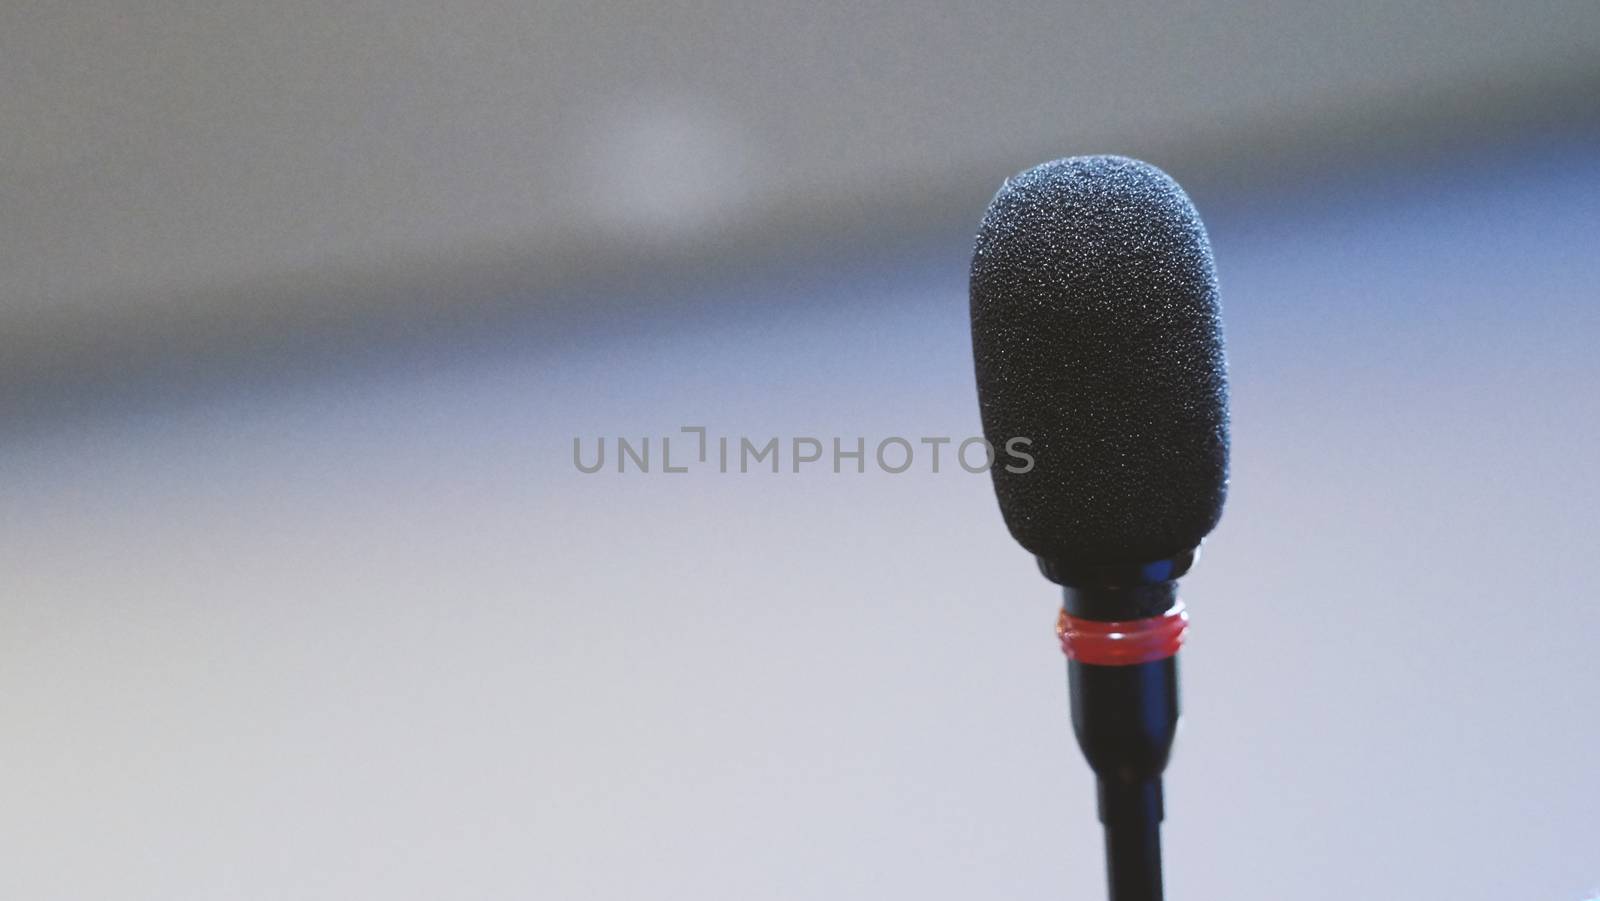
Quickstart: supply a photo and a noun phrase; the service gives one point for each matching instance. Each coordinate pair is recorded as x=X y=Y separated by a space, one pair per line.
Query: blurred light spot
x=665 y=171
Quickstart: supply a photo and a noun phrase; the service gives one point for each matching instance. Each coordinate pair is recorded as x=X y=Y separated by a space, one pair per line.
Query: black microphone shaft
x=1125 y=718
x=1133 y=841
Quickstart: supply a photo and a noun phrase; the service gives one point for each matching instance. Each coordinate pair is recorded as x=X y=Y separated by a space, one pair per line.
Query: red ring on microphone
x=1123 y=643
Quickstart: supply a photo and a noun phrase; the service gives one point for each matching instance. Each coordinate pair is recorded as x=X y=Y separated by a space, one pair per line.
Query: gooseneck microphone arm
x=1121 y=632
x=1124 y=713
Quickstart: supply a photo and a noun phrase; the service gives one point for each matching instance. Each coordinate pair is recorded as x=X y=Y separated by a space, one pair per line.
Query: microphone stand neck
x=1121 y=641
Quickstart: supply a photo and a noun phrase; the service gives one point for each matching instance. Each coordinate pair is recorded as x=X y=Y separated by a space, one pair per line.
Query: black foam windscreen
x=1096 y=334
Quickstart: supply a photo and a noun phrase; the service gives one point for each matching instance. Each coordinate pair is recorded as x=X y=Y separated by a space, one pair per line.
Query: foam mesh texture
x=1096 y=333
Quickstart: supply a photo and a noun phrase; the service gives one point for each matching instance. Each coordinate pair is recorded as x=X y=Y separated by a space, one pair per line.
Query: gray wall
x=189 y=174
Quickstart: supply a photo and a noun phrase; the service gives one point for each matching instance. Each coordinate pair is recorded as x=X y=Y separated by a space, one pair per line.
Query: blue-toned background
x=316 y=605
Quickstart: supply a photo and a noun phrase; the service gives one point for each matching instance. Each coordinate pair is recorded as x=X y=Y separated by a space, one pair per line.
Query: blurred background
x=302 y=307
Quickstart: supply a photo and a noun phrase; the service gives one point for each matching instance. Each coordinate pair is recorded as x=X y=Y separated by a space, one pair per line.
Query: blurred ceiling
x=175 y=173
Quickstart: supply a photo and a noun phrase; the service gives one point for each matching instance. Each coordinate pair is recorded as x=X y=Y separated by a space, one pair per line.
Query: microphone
x=1096 y=335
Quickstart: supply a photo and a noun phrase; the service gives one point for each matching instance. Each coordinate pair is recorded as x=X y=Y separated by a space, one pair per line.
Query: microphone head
x=1097 y=335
